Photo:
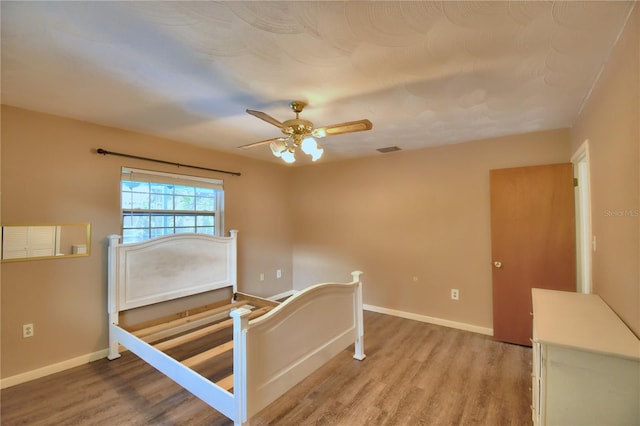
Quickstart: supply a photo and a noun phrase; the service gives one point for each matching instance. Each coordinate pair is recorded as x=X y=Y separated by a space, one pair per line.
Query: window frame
x=150 y=177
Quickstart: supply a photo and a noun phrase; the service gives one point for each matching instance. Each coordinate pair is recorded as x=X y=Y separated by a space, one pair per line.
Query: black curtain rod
x=105 y=152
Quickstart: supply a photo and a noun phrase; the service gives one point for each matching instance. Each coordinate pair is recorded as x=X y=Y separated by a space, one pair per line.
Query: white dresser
x=586 y=362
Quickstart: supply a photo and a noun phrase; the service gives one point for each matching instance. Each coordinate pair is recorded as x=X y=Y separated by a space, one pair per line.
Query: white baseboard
x=84 y=359
x=51 y=369
x=283 y=295
x=430 y=320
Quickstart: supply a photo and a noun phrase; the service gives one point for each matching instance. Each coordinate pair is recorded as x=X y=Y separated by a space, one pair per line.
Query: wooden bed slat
x=259 y=312
x=145 y=332
x=255 y=300
x=161 y=320
x=176 y=341
x=226 y=383
x=206 y=355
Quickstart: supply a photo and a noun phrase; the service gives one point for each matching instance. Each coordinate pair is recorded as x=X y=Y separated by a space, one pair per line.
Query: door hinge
x=575 y=182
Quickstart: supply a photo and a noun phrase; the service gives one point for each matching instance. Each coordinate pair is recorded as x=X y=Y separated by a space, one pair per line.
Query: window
x=156 y=204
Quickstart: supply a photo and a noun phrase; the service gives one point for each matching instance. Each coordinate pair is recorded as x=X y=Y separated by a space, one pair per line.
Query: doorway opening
x=584 y=237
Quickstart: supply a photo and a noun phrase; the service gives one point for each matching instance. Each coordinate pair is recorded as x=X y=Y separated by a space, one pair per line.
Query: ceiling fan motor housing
x=297 y=127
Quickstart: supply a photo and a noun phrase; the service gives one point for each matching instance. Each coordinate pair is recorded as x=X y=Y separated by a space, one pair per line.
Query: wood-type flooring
x=414 y=374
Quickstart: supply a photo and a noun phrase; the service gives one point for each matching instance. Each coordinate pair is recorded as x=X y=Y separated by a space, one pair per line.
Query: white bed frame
x=271 y=353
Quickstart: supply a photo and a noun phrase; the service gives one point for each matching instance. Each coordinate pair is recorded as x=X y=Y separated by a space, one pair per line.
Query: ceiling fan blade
x=264 y=142
x=348 y=127
x=266 y=117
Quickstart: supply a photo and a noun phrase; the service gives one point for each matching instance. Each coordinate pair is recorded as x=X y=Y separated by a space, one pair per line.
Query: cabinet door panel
x=590 y=388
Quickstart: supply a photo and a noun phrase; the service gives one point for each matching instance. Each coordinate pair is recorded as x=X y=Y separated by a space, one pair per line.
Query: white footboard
x=270 y=353
x=299 y=336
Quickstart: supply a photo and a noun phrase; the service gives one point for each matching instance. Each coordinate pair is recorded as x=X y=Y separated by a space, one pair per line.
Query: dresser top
x=582 y=321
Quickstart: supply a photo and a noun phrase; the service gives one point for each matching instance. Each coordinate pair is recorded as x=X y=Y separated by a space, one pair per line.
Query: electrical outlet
x=261 y=276
x=455 y=294
x=278 y=273
x=27 y=330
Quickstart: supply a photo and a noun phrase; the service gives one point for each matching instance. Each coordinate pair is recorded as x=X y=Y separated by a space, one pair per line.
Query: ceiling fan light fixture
x=319 y=133
x=288 y=157
x=301 y=133
x=317 y=154
x=278 y=147
x=311 y=147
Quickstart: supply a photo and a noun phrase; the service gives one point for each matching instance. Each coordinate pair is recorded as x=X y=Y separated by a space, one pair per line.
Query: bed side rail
x=200 y=386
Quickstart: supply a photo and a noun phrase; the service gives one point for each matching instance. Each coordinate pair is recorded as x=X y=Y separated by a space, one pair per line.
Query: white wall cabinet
x=586 y=362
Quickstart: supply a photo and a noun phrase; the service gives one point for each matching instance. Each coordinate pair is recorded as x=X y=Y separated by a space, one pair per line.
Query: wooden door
x=532 y=242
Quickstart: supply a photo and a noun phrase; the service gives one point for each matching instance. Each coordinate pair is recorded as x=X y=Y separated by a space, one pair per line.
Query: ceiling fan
x=301 y=133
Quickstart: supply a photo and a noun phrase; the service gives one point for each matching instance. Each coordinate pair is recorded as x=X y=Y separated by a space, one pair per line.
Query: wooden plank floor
x=414 y=374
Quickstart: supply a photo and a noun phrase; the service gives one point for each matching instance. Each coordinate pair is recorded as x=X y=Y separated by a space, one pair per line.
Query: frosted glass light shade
x=278 y=147
x=317 y=154
x=311 y=147
x=288 y=157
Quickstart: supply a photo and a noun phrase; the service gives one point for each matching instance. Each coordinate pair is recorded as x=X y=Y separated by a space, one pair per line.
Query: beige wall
x=51 y=174
x=421 y=214
x=611 y=123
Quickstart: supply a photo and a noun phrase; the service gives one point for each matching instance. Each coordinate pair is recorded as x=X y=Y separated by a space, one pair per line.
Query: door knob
x=497 y=264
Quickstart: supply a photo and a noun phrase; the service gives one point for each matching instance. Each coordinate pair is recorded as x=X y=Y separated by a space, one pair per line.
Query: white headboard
x=169 y=267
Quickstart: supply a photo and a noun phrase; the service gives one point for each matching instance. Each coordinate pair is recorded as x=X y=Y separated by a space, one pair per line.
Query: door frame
x=584 y=237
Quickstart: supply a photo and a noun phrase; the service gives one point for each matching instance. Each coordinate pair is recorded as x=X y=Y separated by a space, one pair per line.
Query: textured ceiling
x=425 y=73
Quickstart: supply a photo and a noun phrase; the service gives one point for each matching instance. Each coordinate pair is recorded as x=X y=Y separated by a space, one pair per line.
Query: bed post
x=233 y=260
x=112 y=302
x=359 y=346
x=240 y=323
